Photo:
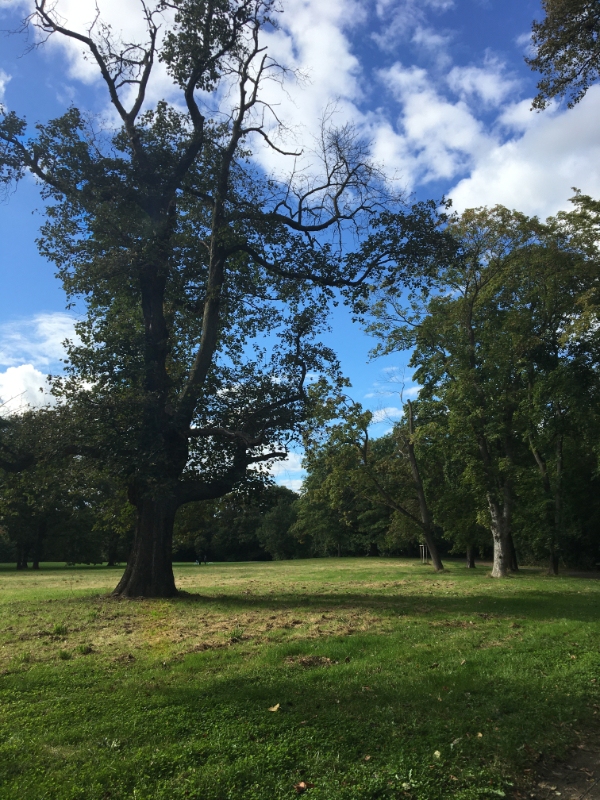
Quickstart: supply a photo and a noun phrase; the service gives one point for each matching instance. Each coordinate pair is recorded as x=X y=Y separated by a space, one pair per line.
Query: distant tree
x=567 y=44
x=361 y=473
x=275 y=530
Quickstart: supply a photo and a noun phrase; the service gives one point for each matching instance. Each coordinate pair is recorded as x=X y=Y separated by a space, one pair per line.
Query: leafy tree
x=483 y=335
x=242 y=526
x=275 y=531
x=361 y=474
x=567 y=43
x=191 y=262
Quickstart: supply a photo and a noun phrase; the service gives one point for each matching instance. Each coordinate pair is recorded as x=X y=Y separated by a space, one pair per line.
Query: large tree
x=205 y=280
x=487 y=345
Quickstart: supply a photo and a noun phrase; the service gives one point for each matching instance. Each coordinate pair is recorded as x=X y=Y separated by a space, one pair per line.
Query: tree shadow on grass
x=533 y=604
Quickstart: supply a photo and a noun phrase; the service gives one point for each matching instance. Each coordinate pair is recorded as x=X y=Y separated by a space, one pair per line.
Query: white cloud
x=535 y=172
x=289 y=472
x=489 y=83
x=20 y=389
x=293 y=463
x=294 y=484
x=37 y=340
x=386 y=414
x=4 y=79
x=407 y=20
x=441 y=138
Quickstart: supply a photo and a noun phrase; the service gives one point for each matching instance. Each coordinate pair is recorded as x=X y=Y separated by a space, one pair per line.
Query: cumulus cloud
x=22 y=387
x=535 y=169
x=438 y=138
x=38 y=340
x=489 y=84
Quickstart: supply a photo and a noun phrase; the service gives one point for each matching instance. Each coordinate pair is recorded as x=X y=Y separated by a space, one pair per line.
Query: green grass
x=389 y=682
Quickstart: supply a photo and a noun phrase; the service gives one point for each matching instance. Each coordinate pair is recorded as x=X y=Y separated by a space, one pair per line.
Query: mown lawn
x=336 y=678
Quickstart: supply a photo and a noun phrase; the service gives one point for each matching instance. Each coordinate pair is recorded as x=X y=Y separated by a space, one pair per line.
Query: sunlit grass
x=389 y=681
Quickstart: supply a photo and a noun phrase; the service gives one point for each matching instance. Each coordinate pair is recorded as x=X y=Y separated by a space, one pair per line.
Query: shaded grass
x=390 y=681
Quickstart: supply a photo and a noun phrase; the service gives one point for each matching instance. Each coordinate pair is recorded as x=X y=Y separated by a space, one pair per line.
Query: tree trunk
x=555 y=524
x=38 y=543
x=553 y=562
x=501 y=539
x=514 y=564
x=149 y=571
x=22 y=556
x=553 y=567
x=470 y=557
x=112 y=549
x=426 y=516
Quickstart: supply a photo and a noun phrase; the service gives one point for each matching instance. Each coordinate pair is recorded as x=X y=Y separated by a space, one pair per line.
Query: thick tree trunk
x=501 y=539
x=470 y=557
x=149 y=571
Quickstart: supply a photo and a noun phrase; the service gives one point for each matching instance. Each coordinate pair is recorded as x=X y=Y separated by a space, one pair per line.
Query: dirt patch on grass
x=575 y=778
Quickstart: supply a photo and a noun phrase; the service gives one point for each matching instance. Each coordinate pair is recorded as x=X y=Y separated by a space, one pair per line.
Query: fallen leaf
x=274 y=708
x=480 y=735
x=464 y=661
x=437 y=754
x=453 y=778
x=367 y=758
x=434 y=665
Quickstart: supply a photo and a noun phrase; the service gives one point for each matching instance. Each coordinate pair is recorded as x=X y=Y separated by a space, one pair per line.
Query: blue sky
x=439 y=87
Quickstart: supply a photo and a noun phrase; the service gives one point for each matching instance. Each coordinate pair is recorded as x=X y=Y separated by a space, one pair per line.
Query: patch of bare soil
x=576 y=778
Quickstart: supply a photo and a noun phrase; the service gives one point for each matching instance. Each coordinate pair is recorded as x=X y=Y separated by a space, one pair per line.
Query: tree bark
x=149 y=571
x=500 y=536
x=470 y=557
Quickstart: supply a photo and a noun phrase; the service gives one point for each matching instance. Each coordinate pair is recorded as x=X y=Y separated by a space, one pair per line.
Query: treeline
x=497 y=454
x=500 y=449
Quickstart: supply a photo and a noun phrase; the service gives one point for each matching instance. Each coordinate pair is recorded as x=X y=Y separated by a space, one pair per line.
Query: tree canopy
x=567 y=45
x=206 y=280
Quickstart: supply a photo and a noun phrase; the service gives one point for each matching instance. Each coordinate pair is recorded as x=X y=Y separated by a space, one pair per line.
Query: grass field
x=332 y=678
